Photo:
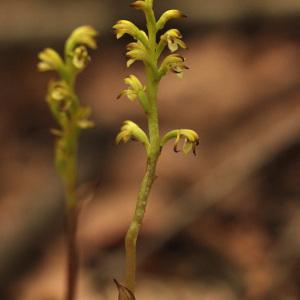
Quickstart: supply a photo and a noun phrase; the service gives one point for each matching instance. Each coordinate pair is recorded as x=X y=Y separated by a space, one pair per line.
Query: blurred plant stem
x=72 y=118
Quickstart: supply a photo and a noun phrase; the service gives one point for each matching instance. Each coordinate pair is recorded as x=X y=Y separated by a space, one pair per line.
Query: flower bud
x=142 y=5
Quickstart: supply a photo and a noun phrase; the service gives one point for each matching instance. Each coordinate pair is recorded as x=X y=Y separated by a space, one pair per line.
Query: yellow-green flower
x=168 y=15
x=130 y=130
x=50 y=60
x=82 y=117
x=134 y=90
x=83 y=35
x=80 y=57
x=173 y=38
x=173 y=63
x=135 y=51
x=126 y=27
x=60 y=99
x=191 y=140
x=59 y=91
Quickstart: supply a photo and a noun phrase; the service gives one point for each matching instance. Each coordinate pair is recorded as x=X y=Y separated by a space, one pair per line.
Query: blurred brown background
x=222 y=226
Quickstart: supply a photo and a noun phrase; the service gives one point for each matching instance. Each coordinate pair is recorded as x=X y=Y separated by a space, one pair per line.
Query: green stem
x=133 y=231
x=153 y=155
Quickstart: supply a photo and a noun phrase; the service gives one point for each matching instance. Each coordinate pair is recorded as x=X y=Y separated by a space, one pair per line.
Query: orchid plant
x=71 y=117
x=148 y=48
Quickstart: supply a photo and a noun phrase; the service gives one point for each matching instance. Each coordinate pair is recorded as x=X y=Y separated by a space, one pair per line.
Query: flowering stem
x=148 y=49
x=71 y=118
x=152 y=159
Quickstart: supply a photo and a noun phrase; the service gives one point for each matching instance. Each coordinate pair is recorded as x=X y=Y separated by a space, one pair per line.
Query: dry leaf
x=124 y=292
